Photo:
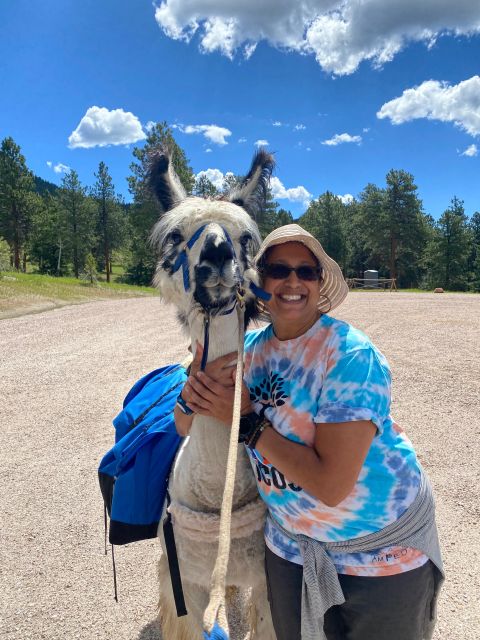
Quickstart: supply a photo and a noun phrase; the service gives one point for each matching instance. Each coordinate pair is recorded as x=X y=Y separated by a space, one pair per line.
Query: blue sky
x=341 y=92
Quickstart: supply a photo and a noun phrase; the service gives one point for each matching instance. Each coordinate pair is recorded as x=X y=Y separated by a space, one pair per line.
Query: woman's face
x=294 y=302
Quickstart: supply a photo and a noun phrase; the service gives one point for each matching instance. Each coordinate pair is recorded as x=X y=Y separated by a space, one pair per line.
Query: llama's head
x=206 y=246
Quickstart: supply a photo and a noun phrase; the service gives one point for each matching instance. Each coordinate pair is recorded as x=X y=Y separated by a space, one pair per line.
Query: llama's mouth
x=215 y=286
x=215 y=298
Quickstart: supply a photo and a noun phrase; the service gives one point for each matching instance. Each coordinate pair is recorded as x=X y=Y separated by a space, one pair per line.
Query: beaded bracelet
x=255 y=435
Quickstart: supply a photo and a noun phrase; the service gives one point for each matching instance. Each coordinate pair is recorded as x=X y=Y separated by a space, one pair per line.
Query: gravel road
x=63 y=376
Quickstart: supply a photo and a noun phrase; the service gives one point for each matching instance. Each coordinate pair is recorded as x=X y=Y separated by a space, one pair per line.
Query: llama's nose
x=216 y=251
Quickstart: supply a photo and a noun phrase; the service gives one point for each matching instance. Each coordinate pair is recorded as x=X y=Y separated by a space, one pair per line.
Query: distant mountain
x=41 y=186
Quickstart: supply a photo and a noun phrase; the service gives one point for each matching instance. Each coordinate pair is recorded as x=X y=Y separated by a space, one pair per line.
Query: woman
x=350 y=512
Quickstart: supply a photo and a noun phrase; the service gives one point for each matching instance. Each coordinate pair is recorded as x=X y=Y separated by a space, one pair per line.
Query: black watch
x=248 y=423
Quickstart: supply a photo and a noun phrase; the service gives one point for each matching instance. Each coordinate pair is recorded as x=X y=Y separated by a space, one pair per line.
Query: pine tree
x=355 y=257
x=405 y=226
x=78 y=218
x=48 y=235
x=323 y=219
x=159 y=136
x=283 y=217
x=474 y=258
x=370 y=232
x=144 y=212
x=104 y=193
x=16 y=204
x=267 y=220
x=204 y=188
x=393 y=228
x=448 y=252
x=230 y=181
x=90 y=273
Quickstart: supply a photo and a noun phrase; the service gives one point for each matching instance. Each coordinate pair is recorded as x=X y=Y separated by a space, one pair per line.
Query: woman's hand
x=219 y=370
x=210 y=398
x=211 y=393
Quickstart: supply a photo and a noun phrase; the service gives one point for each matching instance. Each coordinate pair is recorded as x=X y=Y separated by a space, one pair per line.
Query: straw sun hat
x=333 y=288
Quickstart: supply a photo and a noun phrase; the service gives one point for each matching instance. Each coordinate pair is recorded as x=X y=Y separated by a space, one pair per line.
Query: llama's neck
x=223 y=336
x=199 y=476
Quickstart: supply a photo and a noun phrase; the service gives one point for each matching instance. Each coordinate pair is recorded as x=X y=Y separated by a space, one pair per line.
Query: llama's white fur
x=198 y=476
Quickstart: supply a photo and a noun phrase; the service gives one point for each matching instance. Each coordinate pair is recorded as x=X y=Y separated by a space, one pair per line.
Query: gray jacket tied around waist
x=321 y=589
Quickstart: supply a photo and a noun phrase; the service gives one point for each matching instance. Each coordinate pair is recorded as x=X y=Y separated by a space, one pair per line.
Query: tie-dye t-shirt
x=331 y=374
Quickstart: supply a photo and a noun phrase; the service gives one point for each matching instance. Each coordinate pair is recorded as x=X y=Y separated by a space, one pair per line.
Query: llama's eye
x=175 y=237
x=245 y=238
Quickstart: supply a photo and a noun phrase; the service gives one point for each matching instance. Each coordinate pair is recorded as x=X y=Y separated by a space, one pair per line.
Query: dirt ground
x=63 y=376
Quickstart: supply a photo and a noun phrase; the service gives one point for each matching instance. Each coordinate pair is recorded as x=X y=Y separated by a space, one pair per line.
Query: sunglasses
x=282 y=271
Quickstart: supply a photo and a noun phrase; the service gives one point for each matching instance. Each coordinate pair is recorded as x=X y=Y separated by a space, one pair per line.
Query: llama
x=219 y=258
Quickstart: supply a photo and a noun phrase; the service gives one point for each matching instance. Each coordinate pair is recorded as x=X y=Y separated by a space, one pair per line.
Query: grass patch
x=25 y=292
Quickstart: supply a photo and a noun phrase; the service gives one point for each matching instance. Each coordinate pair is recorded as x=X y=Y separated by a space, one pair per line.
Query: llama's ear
x=251 y=193
x=163 y=180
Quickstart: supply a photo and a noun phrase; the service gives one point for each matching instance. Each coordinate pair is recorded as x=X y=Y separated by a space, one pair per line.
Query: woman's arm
x=329 y=469
x=183 y=422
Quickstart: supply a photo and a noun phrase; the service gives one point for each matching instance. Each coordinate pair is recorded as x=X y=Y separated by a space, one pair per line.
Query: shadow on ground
x=150 y=632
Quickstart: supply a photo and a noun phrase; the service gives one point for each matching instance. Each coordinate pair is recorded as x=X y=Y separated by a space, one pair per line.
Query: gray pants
x=386 y=608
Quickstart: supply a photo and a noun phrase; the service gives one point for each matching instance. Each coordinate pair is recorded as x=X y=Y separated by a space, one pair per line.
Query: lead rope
x=215 y=617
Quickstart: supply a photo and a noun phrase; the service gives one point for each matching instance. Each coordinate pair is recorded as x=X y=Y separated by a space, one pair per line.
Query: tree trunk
x=393 y=257
x=16 y=252
x=76 y=269
x=107 y=260
x=106 y=248
x=16 y=240
x=59 y=257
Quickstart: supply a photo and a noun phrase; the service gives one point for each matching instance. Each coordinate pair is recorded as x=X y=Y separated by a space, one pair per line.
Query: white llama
x=203 y=280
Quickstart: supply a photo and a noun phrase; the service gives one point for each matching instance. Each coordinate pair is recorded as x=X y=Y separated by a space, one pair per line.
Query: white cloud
x=261 y=143
x=149 y=126
x=309 y=148
x=470 y=151
x=61 y=168
x=294 y=194
x=339 y=33
x=342 y=138
x=249 y=50
x=299 y=127
x=347 y=198
x=208 y=150
x=242 y=140
x=459 y=103
x=215 y=176
x=49 y=163
x=100 y=127
x=277 y=123
x=366 y=129
x=211 y=132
